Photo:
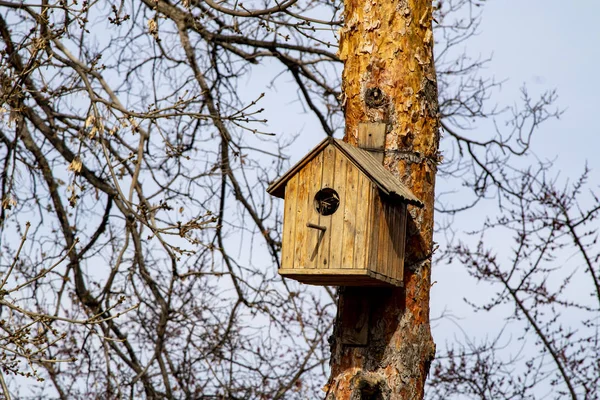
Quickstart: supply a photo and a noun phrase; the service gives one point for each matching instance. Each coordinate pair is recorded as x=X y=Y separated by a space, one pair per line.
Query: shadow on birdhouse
x=344 y=219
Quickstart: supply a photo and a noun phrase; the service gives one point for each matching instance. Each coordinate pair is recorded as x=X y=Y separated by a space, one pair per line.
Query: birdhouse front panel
x=343 y=223
x=317 y=205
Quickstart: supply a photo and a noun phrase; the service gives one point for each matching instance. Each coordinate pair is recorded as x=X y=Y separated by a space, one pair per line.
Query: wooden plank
x=374 y=236
x=339 y=277
x=309 y=233
x=289 y=224
x=362 y=222
x=301 y=220
x=384 y=240
x=371 y=137
x=314 y=236
x=350 y=211
x=349 y=281
x=327 y=181
x=337 y=218
x=319 y=271
x=401 y=242
x=354 y=317
x=393 y=241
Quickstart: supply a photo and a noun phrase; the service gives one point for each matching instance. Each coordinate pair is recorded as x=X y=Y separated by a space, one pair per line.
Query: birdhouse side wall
x=387 y=238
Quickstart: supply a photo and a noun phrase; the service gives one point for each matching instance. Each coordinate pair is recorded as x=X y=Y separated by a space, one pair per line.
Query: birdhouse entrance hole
x=327 y=201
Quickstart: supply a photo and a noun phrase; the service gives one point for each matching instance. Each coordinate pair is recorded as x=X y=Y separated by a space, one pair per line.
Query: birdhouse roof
x=363 y=160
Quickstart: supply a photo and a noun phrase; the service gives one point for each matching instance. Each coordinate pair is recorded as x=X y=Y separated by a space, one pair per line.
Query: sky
x=549 y=44
x=544 y=45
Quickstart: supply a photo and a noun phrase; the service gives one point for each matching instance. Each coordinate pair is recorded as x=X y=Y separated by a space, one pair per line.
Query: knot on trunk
x=369 y=386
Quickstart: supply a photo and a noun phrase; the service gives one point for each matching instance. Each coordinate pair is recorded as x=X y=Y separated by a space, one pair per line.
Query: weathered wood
x=359 y=235
x=384 y=240
x=350 y=215
x=339 y=277
x=337 y=219
x=363 y=217
x=374 y=244
x=395 y=237
x=400 y=243
x=301 y=219
x=371 y=137
x=354 y=318
x=363 y=160
x=314 y=237
x=328 y=176
x=289 y=224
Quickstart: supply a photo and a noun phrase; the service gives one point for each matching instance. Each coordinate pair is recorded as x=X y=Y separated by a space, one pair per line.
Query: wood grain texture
x=363 y=234
x=400 y=243
x=374 y=244
x=371 y=137
x=338 y=277
x=362 y=224
x=327 y=181
x=354 y=313
x=350 y=216
x=301 y=231
x=314 y=237
x=337 y=219
x=289 y=224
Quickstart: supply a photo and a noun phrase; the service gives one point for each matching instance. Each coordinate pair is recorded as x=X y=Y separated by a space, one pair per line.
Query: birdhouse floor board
x=338 y=277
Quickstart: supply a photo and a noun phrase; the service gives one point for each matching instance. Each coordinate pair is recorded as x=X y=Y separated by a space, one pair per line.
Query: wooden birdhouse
x=344 y=218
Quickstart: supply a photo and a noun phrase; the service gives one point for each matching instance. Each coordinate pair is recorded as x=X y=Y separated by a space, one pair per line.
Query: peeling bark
x=389 y=76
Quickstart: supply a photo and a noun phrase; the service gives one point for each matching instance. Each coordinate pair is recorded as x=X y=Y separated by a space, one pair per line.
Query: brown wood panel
x=337 y=219
x=314 y=236
x=384 y=240
x=289 y=224
x=363 y=218
x=339 y=277
x=301 y=220
x=401 y=242
x=371 y=136
x=309 y=233
x=327 y=181
x=353 y=314
x=350 y=211
x=374 y=228
x=393 y=255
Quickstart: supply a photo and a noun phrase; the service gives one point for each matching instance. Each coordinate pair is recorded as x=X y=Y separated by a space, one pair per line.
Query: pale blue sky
x=549 y=44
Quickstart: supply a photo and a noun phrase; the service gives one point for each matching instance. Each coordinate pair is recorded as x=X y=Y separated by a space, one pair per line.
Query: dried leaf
x=91 y=119
x=75 y=165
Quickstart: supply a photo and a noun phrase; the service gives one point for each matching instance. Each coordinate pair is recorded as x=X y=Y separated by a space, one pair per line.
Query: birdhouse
x=344 y=218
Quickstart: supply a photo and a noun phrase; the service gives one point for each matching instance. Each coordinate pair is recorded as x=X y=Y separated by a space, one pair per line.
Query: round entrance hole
x=327 y=201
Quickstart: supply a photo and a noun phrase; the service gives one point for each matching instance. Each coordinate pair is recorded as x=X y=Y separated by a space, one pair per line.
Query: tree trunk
x=389 y=76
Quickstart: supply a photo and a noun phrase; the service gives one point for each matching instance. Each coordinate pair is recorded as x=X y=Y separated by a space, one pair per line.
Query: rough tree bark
x=389 y=76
